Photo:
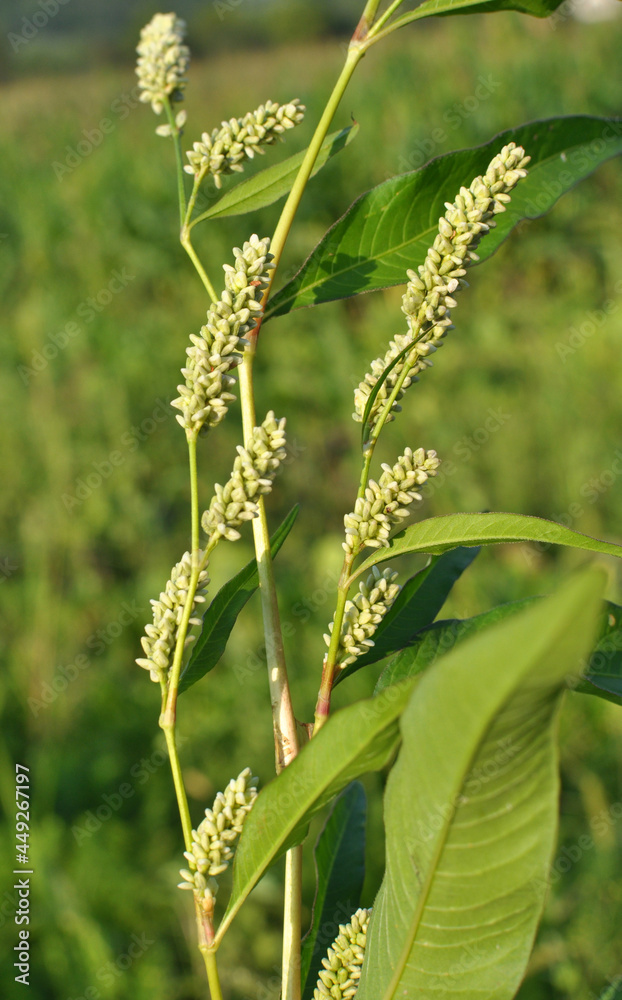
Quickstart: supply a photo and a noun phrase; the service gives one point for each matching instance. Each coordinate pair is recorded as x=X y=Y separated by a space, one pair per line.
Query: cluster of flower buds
x=162 y=61
x=160 y=637
x=387 y=502
x=205 y=397
x=214 y=840
x=224 y=150
x=429 y=294
x=253 y=473
x=363 y=615
x=339 y=979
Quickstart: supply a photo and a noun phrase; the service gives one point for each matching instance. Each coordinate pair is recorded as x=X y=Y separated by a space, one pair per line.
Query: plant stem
x=292 y=924
x=322 y=708
x=181 y=191
x=178 y=781
x=382 y=20
x=283 y=719
x=187 y=245
x=212 y=974
x=355 y=54
x=284 y=722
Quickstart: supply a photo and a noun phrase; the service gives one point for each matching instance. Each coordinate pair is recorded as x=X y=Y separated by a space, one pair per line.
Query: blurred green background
x=98 y=303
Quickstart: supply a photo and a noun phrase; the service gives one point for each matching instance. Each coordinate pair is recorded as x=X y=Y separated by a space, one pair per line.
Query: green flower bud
x=339 y=979
x=216 y=351
x=254 y=470
x=160 y=637
x=429 y=293
x=387 y=502
x=224 y=149
x=215 y=837
x=162 y=61
x=363 y=614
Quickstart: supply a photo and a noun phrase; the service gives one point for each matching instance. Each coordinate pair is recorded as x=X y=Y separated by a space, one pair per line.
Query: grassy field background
x=98 y=303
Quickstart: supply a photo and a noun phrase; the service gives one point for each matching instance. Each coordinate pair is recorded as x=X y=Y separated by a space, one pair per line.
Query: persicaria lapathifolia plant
x=470 y=807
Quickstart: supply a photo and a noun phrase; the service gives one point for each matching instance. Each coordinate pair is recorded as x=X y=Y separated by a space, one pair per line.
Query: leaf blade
x=267 y=186
x=221 y=615
x=417 y=605
x=437 y=534
x=390 y=228
x=340 y=873
x=485 y=809
x=438 y=8
x=355 y=740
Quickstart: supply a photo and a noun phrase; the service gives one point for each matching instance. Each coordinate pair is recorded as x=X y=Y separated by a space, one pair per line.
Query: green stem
x=405 y=19
x=187 y=245
x=212 y=974
x=178 y=781
x=292 y=923
x=187 y=223
x=181 y=191
x=355 y=54
x=284 y=722
x=382 y=20
x=283 y=718
x=194 y=498
x=186 y=240
x=322 y=708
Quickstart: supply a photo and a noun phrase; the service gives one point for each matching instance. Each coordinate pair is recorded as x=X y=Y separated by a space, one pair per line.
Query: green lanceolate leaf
x=603 y=674
x=437 y=534
x=358 y=739
x=441 y=637
x=269 y=185
x=469 y=844
x=220 y=617
x=390 y=228
x=437 y=8
x=340 y=873
x=417 y=605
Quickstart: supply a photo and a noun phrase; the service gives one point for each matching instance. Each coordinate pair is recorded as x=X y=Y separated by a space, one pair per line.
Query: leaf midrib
x=432 y=867
x=424 y=232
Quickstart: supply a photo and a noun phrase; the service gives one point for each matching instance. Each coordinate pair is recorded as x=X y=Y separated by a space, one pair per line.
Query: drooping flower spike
x=429 y=293
x=388 y=502
x=160 y=637
x=216 y=350
x=163 y=61
x=363 y=614
x=339 y=979
x=254 y=470
x=224 y=149
x=214 y=840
